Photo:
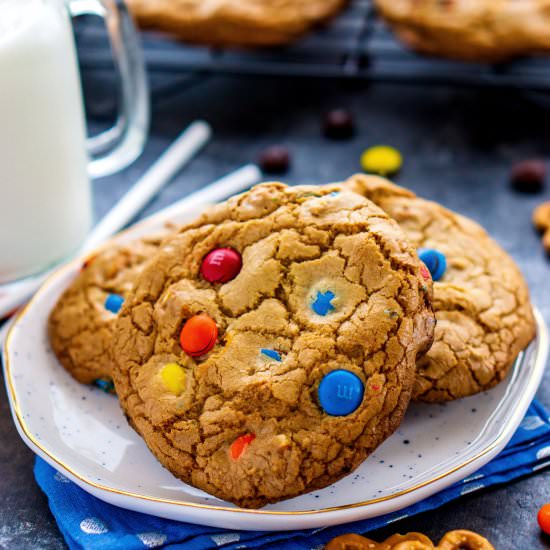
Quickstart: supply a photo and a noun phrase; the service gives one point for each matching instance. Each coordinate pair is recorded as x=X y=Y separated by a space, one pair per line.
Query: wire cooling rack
x=356 y=44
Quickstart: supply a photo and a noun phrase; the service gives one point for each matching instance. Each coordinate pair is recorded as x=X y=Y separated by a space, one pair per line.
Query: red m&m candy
x=199 y=334
x=238 y=447
x=221 y=265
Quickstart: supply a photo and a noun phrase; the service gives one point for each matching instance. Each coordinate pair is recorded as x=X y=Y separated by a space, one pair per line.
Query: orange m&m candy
x=238 y=447
x=199 y=334
x=543 y=517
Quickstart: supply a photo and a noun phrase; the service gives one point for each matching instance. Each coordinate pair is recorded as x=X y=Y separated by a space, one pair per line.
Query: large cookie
x=484 y=316
x=234 y=23
x=298 y=364
x=475 y=30
x=81 y=324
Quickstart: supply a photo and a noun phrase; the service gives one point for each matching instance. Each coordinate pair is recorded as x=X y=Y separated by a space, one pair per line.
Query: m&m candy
x=434 y=260
x=198 y=335
x=113 y=303
x=221 y=265
x=382 y=159
x=238 y=447
x=274 y=159
x=340 y=392
x=543 y=518
x=105 y=385
x=323 y=302
x=173 y=376
x=271 y=353
x=338 y=124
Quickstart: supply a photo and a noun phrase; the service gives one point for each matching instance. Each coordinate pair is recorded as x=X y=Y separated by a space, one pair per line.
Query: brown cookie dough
x=472 y=30
x=484 y=316
x=248 y=426
x=80 y=327
x=231 y=23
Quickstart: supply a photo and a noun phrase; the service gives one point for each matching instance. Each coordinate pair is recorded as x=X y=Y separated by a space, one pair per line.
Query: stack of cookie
x=267 y=348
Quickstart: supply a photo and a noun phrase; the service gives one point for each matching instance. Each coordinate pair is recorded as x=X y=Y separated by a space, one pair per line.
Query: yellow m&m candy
x=173 y=376
x=382 y=159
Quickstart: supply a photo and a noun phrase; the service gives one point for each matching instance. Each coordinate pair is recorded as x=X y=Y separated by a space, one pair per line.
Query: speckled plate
x=82 y=432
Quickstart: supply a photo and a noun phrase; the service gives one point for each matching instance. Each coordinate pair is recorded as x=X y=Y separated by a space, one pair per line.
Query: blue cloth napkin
x=89 y=523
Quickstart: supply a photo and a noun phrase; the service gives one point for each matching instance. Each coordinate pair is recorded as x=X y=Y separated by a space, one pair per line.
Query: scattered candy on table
x=338 y=124
x=274 y=159
x=322 y=303
x=543 y=518
x=528 y=176
x=459 y=539
x=271 y=353
x=541 y=220
x=113 y=303
x=104 y=385
x=198 y=335
x=340 y=392
x=381 y=159
x=434 y=260
x=238 y=447
x=173 y=376
x=221 y=265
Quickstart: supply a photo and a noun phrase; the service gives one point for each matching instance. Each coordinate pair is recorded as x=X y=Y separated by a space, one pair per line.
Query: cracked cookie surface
x=484 y=315
x=473 y=30
x=229 y=23
x=328 y=283
x=80 y=327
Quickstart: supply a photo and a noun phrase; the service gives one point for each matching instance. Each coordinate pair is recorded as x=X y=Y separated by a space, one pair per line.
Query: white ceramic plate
x=81 y=431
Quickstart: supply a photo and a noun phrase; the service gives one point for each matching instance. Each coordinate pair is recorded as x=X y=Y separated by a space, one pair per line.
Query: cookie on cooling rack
x=473 y=30
x=230 y=23
x=81 y=324
x=481 y=300
x=270 y=347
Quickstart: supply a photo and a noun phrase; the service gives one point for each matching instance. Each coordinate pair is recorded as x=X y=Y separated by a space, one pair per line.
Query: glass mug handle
x=116 y=148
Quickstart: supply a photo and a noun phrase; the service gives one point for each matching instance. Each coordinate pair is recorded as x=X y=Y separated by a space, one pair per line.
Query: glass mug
x=46 y=160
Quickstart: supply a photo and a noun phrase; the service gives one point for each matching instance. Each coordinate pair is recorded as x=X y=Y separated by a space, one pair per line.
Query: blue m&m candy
x=340 y=392
x=105 y=385
x=113 y=303
x=435 y=261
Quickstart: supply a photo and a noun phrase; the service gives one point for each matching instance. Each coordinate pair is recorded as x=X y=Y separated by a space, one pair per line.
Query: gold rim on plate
x=540 y=363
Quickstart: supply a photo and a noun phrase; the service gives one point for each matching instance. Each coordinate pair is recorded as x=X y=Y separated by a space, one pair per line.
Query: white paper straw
x=157 y=176
x=226 y=186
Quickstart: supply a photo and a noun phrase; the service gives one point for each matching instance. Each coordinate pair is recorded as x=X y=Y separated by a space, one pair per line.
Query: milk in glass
x=45 y=202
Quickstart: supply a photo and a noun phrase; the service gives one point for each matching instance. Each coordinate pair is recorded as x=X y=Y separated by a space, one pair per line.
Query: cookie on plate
x=230 y=23
x=81 y=324
x=271 y=346
x=481 y=300
x=473 y=30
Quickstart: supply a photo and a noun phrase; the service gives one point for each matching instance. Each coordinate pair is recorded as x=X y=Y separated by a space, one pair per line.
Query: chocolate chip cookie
x=481 y=300
x=269 y=347
x=231 y=23
x=473 y=30
x=81 y=324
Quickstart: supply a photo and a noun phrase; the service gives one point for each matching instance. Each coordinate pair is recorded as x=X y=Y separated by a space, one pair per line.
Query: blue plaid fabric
x=89 y=523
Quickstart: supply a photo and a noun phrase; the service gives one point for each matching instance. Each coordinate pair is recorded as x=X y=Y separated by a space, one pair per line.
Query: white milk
x=45 y=198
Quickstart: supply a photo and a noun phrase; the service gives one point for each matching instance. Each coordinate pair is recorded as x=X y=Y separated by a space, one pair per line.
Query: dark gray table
x=458 y=146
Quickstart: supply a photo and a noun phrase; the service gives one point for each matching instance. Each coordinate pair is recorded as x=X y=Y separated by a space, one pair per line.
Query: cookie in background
x=470 y=30
x=246 y=23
